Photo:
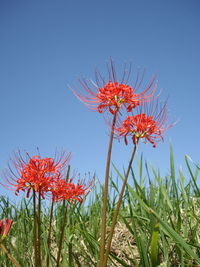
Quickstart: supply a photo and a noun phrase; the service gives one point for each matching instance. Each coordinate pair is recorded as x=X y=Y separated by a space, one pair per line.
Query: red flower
x=5 y=226
x=150 y=124
x=35 y=172
x=62 y=190
x=112 y=95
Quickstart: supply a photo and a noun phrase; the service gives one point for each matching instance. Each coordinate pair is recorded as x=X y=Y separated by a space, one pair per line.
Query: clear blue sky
x=46 y=45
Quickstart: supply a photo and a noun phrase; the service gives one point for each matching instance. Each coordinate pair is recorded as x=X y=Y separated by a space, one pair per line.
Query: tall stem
x=9 y=256
x=61 y=237
x=39 y=229
x=49 y=234
x=116 y=212
x=35 y=230
x=65 y=206
x=105 y=193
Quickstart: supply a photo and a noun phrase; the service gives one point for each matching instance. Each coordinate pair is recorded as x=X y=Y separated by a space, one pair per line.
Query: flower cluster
x=43 y=175
x=149 y=122
x=111 y=95
x=63 y=190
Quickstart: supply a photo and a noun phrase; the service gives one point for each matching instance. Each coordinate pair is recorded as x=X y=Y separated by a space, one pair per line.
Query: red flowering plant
x=113 y=94
x=43 y=177
x=67 y=192
x=34 y=173
x=148 y=124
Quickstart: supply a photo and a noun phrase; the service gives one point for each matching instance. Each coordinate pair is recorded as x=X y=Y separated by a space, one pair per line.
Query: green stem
x=39 y=229
x=116 y=212
x=70 y=253
x=49 y=234
x=65 y=206
x=35 y=230
x=105 y=193
x=9 y=256
x=61 y=237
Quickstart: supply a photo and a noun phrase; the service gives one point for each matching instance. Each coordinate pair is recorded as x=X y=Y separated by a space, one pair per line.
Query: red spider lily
x=35 y=173
x=62 y=190
x=112 y=95
x=150 y=124
x=5 y=226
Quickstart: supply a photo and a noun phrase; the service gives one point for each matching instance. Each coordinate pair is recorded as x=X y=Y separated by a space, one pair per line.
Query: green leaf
x=154 y=245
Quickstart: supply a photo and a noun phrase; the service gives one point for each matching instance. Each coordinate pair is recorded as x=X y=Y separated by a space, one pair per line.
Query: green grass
x=158 y=224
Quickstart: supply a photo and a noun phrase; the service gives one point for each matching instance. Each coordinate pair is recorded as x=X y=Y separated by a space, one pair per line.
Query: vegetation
x=158 y=223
